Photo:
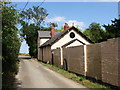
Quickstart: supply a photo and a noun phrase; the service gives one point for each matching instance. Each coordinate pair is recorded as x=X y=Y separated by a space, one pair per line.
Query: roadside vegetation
x=12 y=36
x=10 y=44
x=29 y=30
x=80 y=79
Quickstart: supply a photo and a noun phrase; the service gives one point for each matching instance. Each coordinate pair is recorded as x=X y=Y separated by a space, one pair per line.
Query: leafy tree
x=95 y=33
x=34 y=15
x=31 y=21
x=30 y=34
x=10 y=43
x=113 y=30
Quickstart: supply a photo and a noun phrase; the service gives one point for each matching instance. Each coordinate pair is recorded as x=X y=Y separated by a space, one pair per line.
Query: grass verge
x=80 y=79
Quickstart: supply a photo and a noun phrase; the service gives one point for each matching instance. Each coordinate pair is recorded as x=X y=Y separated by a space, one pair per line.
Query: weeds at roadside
x=80 y=79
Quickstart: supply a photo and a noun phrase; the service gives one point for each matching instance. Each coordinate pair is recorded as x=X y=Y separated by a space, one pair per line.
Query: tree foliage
x=113 y=30
x=10 y=42
x=95 y=33
x=31 y=20
x=30 y=34
x=34 y=15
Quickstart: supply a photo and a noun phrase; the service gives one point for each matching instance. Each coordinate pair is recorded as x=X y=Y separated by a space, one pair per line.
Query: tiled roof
x=61 y=34
x=44 y=34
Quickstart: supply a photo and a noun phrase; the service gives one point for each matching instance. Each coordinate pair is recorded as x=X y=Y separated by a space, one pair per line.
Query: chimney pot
x=66 y=26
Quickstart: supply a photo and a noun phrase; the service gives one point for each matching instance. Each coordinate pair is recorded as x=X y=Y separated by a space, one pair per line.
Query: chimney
x=66 y=26
x=52 y=30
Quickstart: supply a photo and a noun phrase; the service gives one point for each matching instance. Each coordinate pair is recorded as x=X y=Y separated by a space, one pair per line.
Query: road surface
x=34 y=75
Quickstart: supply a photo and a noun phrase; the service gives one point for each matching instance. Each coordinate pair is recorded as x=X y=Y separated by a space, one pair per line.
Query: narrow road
x=34 y=75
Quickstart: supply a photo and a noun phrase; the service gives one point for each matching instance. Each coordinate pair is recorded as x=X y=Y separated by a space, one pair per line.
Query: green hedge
x=10 y=45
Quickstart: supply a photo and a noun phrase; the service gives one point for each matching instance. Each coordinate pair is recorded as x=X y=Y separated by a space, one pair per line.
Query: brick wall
x=39 y=57
x=38 y=45
x=94 y=61
x=103 y=60
x=110 y=61
x=75 y=59
x=47 y=56
x=57 y=57
x=119 y=61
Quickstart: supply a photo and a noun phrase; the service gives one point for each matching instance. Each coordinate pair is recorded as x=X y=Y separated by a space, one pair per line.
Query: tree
x=95 y=33
x=31 y=21
x=34 y=15
x=113 y=30
x=30 y=34
x=10 y=43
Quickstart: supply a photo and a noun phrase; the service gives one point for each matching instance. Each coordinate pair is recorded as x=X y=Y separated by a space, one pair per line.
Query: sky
x=82 y=14
x=119 y=10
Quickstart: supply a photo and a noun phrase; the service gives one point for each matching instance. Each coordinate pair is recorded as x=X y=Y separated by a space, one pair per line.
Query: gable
x=70 y=37
x=54 y=39
x=63 y=34
x=43 y=40
x=44 y=36
x=74 y=42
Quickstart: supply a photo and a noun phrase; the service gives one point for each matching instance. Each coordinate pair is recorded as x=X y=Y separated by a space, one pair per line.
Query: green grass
x=24 y=54
x=80 y=79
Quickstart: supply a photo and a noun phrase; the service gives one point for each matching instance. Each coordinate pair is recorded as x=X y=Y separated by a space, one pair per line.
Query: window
x=72 y=35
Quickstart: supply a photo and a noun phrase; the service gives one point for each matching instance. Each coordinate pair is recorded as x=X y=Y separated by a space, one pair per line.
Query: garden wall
x=74 y=57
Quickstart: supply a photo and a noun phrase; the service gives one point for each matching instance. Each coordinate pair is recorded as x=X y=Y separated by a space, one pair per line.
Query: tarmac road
x=34 y=75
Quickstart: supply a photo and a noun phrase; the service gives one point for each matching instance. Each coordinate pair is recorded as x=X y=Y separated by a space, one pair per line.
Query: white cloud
x=62 y=19
x=65 y=0
x=76 y=23
x=55 y=19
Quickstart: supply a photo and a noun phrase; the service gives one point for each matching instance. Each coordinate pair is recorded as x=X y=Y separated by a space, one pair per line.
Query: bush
x=10 y=45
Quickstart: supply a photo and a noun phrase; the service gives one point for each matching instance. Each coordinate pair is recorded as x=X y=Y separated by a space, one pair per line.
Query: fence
x=103 y=60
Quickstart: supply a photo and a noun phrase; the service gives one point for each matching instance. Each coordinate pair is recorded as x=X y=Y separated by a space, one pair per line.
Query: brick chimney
x=52 y=30
x=66 y=26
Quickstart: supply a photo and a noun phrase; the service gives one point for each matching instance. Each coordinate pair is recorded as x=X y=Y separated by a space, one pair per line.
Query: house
x=43 y=36
x=70 y=37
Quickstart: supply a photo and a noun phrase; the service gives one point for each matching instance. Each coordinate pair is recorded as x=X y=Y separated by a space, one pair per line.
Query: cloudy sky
x=81 y=13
